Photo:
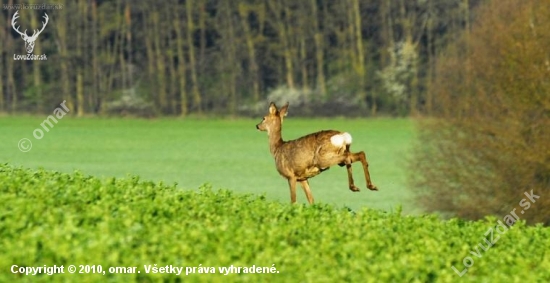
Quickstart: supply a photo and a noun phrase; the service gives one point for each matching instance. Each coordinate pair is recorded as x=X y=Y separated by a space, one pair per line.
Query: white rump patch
x=347 y=138
x=341 y=140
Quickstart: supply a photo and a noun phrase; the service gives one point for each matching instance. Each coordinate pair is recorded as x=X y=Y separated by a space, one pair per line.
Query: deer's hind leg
x=360 y=156
x=347 y=159
x=352 y=186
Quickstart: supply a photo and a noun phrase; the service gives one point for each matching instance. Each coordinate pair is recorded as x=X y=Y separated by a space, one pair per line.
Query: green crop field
x=127 y=230
x=228 y=154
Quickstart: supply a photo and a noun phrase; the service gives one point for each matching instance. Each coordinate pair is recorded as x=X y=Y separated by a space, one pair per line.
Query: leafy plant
x=50 y=218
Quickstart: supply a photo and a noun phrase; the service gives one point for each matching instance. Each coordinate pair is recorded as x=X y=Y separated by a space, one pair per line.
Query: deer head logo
x=29 y=40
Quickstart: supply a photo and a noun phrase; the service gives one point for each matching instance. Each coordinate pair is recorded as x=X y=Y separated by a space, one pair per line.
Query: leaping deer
x=308 y=156
x=29 y=40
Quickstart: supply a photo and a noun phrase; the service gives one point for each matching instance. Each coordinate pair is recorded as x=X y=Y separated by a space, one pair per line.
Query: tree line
x=183 y=57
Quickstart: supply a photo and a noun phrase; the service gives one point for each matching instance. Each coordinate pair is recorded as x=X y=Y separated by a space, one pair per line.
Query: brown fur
x=306 y=157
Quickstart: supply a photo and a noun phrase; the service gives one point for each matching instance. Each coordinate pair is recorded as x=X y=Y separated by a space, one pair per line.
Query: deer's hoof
x=372 y=187
x=353 y=188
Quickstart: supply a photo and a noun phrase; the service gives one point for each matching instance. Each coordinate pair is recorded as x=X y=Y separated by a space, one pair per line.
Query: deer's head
x=274 y=118
x=29 y=40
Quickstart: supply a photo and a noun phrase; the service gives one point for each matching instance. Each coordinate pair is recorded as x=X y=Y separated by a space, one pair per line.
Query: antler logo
x=29 y=40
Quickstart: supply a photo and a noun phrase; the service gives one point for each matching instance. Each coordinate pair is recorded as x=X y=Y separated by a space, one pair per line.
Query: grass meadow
x=228 y=154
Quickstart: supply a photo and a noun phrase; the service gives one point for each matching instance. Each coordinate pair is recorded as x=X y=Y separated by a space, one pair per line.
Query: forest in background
x=349 y=57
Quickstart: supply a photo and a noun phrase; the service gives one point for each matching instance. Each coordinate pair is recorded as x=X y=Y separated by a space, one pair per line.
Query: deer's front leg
x=305 y=186
x=292 y=185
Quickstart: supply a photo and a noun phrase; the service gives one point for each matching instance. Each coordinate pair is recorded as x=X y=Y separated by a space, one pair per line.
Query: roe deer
x=308 y=156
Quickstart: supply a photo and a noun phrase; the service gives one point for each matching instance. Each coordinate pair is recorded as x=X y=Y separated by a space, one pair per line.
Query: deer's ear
x=283 y=111
x=272 y=108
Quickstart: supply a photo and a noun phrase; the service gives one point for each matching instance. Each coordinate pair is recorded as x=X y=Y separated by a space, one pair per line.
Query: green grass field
x=229 y=154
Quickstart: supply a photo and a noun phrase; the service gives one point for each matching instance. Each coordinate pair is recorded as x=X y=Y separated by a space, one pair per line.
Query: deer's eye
x=263 y=119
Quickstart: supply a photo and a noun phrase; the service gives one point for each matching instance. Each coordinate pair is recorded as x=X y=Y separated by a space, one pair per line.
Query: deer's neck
x=275 y=139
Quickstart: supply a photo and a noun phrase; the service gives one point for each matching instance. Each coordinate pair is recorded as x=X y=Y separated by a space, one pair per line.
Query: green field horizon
x=225 y=153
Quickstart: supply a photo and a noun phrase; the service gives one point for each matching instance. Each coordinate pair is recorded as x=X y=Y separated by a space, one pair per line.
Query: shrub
x=339 y=101
x=489 y=139
x=130 y=104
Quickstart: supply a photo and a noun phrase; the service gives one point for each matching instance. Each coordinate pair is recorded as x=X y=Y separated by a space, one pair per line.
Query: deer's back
x=307 y=156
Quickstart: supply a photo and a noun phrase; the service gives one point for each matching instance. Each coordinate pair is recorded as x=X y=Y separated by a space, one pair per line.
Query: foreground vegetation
x=50 y=218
